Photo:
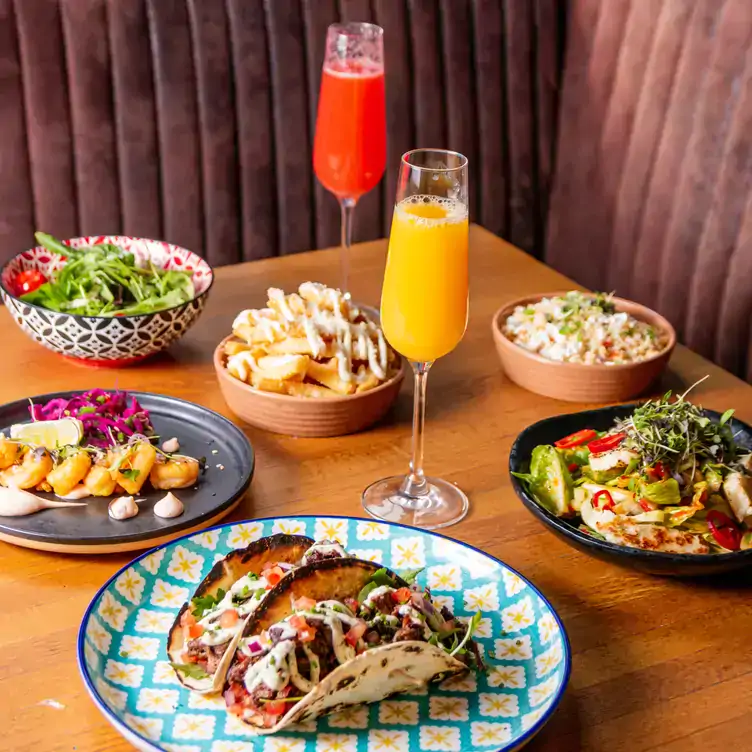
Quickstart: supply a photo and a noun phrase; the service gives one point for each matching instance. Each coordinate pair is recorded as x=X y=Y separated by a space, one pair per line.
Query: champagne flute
x=349 y=150
x=424 y=302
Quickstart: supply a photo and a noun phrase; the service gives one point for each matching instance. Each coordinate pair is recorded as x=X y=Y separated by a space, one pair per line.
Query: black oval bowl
x=654 y=562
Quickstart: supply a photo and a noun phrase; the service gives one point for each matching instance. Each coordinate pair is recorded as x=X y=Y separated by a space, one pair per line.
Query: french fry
x=233 y=347
x=283 y=367
x=293 y=345
x=290 y=346
x=327 y=374
x=303 y=389
x=268 y=385
x=370 y=382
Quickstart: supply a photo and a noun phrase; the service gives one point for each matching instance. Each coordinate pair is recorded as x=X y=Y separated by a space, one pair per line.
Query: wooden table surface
x=659 y=664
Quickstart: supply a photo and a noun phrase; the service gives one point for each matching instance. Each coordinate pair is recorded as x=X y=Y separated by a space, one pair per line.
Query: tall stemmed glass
x=424 y=303
x=349 y=151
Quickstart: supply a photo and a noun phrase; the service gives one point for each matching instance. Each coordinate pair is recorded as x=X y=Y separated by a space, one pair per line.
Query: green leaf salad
x=106 y=280
x=666 y=478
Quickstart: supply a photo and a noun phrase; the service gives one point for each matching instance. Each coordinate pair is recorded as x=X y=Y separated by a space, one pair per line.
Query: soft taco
x=202 y=639
x=344 y=633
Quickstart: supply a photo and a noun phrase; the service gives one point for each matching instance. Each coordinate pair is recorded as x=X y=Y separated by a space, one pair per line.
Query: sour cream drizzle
x=325 y=312
x=279 y=666
x=213 y=634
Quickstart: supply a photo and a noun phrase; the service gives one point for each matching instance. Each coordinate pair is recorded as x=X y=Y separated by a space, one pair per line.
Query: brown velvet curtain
x=653 y=193
x=191 y=120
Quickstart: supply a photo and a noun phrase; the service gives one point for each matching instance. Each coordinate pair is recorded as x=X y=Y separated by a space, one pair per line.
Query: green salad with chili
x=103 y=280
x=666 y=478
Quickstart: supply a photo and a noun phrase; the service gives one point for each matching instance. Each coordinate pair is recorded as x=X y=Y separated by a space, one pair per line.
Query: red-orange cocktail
x=349 y=152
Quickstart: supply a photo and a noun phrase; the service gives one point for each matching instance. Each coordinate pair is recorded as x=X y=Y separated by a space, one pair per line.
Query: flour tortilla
x=369 y=677
x=372 y=676
x=251 y=559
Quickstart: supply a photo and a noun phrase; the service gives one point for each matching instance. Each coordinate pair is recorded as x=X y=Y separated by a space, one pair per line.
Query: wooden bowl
x=305 y=417
x=578 y=382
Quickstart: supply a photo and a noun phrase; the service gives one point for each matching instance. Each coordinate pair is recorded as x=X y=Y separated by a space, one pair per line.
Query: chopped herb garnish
x=410 y=575
x=191 y=670
x=130 y=473
x=203 y=603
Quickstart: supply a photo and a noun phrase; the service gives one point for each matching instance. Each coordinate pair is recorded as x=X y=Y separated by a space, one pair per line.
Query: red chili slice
x=606 y=443
x=608 y=504
x=576 y=439
x=724 y=530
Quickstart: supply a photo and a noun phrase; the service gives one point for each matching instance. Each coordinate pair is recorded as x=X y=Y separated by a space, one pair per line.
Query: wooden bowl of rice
x=582 y=382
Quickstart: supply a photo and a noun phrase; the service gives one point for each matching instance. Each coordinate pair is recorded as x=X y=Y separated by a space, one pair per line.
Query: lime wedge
x=51 y=434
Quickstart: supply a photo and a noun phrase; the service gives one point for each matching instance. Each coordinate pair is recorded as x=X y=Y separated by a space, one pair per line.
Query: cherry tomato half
x=724 y=530
x=28 y=281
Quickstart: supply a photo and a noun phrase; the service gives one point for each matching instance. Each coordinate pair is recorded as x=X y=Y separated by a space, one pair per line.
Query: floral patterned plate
x=122 y=650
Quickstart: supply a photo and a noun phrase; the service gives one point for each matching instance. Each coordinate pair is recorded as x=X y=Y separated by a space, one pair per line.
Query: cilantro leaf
x=382 y=578
x=365 y=590
x=410 y=575
x=130 y=473
x=203 y=603
x=190 y=670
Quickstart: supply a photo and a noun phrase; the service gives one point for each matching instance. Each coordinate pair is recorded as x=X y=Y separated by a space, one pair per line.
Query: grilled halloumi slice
x=738 y=490
x=604 y=461
x=622 y=531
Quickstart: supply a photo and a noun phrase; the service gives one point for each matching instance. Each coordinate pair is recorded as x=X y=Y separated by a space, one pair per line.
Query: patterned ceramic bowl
x=123 y=660
x=107 y=341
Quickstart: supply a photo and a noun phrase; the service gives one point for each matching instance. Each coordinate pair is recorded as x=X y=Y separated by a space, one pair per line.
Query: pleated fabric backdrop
x=653 y=191
x=192 y=120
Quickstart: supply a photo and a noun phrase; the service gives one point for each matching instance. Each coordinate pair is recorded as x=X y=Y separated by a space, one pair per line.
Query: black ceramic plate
x=201 y=432
x=656 y=562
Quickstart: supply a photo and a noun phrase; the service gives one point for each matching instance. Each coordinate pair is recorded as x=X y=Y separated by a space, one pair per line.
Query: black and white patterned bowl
x=102 y=340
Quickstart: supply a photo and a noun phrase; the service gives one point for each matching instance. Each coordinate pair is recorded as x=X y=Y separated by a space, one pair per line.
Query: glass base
x=442 y=505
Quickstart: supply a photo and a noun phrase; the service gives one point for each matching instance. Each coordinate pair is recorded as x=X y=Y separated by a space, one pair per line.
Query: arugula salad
x=666 y=478
x=102 y=280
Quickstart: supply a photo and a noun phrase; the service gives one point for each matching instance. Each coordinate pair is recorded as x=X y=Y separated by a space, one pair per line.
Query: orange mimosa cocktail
x=424 y=303
x=424 y=297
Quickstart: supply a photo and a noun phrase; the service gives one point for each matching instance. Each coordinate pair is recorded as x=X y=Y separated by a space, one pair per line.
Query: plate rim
x=556 y=525
x=151 y=746
x=245 y=482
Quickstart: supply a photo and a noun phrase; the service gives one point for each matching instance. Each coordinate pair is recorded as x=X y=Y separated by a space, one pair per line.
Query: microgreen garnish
x=678 y=433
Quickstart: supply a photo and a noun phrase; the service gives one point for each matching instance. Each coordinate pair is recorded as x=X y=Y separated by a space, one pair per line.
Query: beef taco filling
x=211 y=622
x=274 y=670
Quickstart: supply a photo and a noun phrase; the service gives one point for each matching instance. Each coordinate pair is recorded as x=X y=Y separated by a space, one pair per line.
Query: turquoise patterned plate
x=122 y=650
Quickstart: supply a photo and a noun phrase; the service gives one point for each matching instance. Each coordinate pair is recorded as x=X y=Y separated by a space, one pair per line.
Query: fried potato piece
x=370 y=382
x=268 y=385
x=327 y=374
x=290 y=346
x=233 y=347
x=282 y=367
x=302 y=389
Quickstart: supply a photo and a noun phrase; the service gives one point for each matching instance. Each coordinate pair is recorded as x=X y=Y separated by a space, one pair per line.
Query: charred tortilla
x=289 y=650
x=249 y=560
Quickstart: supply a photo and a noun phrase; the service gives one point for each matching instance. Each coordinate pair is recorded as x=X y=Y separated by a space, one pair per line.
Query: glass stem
x=415 y=483
x=347 y=207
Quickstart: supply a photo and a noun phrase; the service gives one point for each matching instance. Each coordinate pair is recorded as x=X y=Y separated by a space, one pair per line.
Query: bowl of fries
x=309 y=364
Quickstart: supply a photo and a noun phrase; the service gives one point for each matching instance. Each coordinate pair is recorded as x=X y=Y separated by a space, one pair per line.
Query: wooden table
x=659 y=664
